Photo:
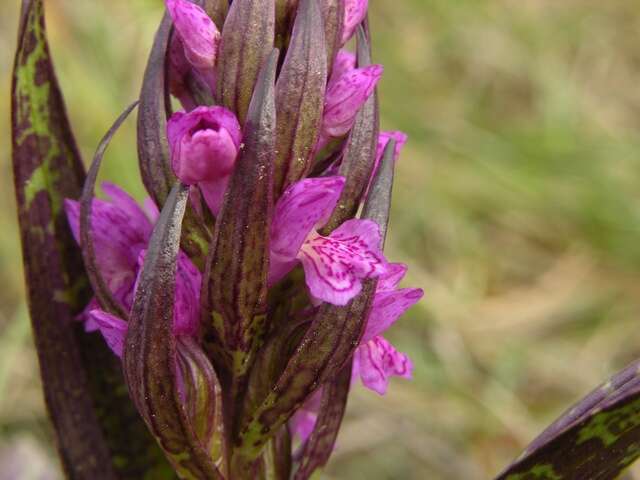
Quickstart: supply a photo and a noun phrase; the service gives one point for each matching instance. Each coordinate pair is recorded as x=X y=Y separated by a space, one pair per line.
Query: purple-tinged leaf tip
x=247 y=40
x=598 y=438
x=299 y=97
x=100 y=288
x=153 y=152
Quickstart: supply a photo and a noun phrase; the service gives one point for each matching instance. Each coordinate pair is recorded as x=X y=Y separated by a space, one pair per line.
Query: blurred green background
x=517 y=206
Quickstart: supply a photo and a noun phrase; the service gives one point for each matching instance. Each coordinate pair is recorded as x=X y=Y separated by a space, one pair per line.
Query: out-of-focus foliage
x=517 y=205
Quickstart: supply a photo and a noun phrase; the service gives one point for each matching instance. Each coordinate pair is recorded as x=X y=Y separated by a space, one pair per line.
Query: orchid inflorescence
x=237 y=307
x=251 y=289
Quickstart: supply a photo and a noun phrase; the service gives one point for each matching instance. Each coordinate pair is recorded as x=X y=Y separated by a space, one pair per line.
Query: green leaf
x=320 y=444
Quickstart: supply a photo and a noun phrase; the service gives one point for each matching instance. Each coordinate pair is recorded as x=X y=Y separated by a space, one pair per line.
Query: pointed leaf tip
x=99 y=285
x=378 y=202
x=599 y=437
x=247 y=40
x=300 y=97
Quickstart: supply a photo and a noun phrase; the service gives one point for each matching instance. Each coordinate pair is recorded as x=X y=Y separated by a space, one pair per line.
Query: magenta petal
x=345 y=97
x=113 y=329
x=204 y=143
x=345 y=62
x=355 y=11
x=335 y=266
x=377 y=360
x=197 y=31
x=387 y=307
x=301 y=207
x=392 y=277
x=120 y=231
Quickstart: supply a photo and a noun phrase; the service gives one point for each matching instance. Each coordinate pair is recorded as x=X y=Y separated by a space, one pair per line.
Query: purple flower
x=345 y=61
x=345 y=96
x=200 y=36
x=334 y=266
x=375 y=359
x=355 y=12
x=121 y=232
x=204 y=145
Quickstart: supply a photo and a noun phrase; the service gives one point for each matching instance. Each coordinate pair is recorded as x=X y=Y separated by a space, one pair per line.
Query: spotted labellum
x=215 y=331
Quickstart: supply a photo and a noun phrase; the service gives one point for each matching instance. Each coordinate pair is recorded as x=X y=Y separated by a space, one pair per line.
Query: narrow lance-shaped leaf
x=598 y=438
x=285 y=14
x=300 y=97
x=322 y=440
x=359 y=152
x=333 y=19
x=320 y=443
x=324 y=350
x=100 y=288
x=247 y=40
x=150 y=352
x=153 y=150
x=47 y=168
x=82 y=380
x=235 y=297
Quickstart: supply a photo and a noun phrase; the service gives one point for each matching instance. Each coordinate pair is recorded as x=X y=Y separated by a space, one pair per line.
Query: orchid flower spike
x=247 y=297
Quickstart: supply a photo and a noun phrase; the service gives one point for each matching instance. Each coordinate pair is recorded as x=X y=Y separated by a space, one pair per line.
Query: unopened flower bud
x=198 y=33
x=204 y=145
x=355 y=11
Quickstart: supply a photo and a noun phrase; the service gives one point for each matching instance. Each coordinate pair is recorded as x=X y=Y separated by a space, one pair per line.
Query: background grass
x=517 y=206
